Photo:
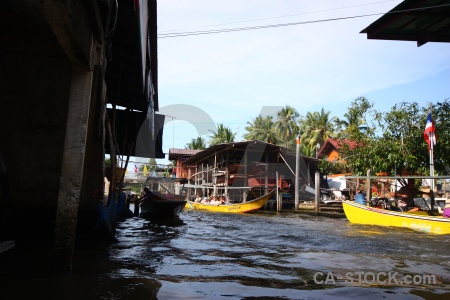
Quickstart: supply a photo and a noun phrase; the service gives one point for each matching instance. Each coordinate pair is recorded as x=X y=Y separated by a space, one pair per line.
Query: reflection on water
x=246 y=256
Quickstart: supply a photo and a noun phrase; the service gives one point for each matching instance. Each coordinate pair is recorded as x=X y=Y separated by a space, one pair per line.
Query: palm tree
x=286 y=125
x=262 y=129
x=354 y=119
x=306 y=150
x=222 y=135
x=317 y=127
x=196 y=144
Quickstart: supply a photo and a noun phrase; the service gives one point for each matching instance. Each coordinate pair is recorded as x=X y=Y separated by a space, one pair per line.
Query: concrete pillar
x=72 y=168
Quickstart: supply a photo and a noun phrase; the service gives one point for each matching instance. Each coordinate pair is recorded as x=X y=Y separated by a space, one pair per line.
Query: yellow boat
x=417 y=220
x=244 y=207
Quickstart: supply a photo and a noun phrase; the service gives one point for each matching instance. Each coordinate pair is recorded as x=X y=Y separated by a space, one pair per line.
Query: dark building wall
x=35 y=86
x=35 y=78
x=52 y=61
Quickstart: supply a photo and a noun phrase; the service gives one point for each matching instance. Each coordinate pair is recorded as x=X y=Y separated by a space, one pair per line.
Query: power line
x=278 y=17
x=181 y=34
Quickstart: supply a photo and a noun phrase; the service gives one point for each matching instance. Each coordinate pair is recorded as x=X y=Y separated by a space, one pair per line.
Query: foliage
x=394 y=140
x=286 y=126
x=383 y=141
x=316 y=128
x=261 y=129
x=222 y=135
x=196 y=144
x=441 y=116
x=306 y=150
x=152 y=164
x=326 y=167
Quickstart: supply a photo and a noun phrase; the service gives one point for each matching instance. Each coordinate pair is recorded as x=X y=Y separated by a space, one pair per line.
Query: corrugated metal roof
x=176 y=152
x=238 y=148
x=421 y=21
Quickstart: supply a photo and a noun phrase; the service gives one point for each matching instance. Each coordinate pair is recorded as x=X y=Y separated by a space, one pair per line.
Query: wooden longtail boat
x=416 y=220
x=161 y=208
x=243 y=207
x=159 y=205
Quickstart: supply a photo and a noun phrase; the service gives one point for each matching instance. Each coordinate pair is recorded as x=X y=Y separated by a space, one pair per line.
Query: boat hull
x=419 y=220
x=161 y=209
x=245 y=207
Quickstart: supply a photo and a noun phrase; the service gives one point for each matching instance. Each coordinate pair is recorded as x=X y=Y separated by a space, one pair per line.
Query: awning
x=133 y=129
x=421 y=21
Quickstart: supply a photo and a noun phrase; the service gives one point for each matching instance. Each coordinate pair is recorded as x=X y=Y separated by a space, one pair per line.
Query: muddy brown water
x=244 y=256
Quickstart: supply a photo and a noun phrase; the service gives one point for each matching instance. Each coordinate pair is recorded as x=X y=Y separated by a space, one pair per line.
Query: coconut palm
x=317 y=127
x=306 y=150
x=286 y=125
x=196 y=144
x=222 y=135
x=353 y=119
x=262 y=129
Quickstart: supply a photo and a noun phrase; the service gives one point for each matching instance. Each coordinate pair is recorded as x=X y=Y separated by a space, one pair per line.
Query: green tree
x=306 y=150
x=286 y=125
x=317 y=127
x=441 y=116
x=394 y=140
x=222 y=135
x=261 y=129
x=152 y=164
x=196 y=144
x=354 y=119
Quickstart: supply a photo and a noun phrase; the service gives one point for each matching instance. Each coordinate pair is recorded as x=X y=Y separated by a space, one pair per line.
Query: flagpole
x=432 y=140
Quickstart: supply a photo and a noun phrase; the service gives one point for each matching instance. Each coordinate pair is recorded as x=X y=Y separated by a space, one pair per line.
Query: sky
x=232 y=77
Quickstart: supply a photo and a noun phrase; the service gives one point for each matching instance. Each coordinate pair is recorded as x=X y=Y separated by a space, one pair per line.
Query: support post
x=297 y=171
x=72 y=168
x=368 y=189
x=266 y=176
x=244 y=196
x=279 y=196
x=317 y=192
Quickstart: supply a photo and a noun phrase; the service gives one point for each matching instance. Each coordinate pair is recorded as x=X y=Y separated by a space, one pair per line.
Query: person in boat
x=407 y=194
x=409 y=191
x=360 y=198
x=214 y=201
x=407 y=204
x=205 y=200
x=147 y=195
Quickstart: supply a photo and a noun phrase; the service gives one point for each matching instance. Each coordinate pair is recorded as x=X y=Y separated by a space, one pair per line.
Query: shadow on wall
x=5 y=202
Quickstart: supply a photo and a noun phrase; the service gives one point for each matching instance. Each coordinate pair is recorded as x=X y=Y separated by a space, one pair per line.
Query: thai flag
x=135 y=169
x=430 y=132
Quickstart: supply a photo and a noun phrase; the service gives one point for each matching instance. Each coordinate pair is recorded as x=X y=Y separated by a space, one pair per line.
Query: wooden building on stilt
x=232 y=168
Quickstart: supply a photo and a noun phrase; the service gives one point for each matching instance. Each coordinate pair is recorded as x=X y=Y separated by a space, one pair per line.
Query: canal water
x=249 y=256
